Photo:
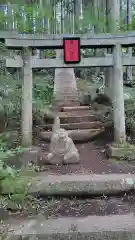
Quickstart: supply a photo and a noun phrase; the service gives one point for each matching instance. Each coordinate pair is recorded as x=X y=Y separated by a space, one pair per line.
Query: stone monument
x=62 y=148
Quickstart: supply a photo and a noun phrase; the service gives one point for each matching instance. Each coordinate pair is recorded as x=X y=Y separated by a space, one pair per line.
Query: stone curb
x=75 y=185
x=73 y=126
x=118 y=152
x=92 y=227
x=84 y=184
x=75 y=108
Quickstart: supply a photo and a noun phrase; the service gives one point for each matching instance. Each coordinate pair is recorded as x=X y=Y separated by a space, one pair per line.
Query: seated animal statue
x=62 y=149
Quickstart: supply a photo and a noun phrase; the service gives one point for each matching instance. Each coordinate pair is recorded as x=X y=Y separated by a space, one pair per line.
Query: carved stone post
x=118 y=97
x=27 y=98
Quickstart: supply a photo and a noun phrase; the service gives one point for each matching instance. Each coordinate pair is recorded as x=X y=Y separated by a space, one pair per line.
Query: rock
x=33 y=155
x=62 y=148
x=85 y=99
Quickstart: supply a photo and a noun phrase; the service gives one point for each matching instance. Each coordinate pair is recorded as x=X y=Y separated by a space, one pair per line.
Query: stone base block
x=114 y=151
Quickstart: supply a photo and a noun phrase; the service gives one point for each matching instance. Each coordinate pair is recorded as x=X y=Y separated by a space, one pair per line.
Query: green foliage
x=43 y=93
x=13 y=190
x=102 y=99
x=130 y=115
x=10 y=105
x=124 y=145
x=16 y=185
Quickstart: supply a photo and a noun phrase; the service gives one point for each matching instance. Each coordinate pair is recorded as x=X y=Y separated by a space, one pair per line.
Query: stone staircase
x=65 y=88
x=81 y=122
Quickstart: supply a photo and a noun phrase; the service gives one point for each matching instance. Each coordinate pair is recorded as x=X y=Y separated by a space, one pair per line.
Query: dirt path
x=93 y=161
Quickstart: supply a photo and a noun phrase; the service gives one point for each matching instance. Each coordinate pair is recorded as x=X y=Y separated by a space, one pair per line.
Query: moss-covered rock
x=121 y=151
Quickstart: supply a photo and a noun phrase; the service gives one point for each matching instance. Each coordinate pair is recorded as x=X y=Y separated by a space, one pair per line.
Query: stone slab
x=78 y=113
x=118 y=227
x=75 y=108
x=75 y=185
x=76 y=118
x=77 y=135
x=74 y=126
x=84 y=184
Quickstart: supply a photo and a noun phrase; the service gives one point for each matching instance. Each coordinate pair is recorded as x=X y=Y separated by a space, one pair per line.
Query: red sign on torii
x=72 y=52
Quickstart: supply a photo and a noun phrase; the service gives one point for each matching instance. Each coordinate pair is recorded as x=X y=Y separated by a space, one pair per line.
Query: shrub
x=86 y=99
x=10 y=107
x=130 y=116
x=102 y=99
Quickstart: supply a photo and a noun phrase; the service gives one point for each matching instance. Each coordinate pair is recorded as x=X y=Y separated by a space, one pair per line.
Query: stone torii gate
x=115 y=60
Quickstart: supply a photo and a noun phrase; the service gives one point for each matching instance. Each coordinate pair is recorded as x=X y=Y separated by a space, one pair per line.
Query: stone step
x=87 y=112
x=74 y=126
x=76 y=184
x=81 y=135
x=115 y=227
x=68 y=98
x=75 y=108
x=59 y=104
x=77 y=117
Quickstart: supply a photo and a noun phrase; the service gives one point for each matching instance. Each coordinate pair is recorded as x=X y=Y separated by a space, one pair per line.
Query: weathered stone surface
x=73 y=116
x=32 y=155
x=65 y=87
x=83 y=135
x=66 y=118
x=22 y=160
x=75 y=126
x=56 y=125
x=62 y=148
x=119 y=152
x=84 y=184
x=77 y=184
x=102 y=228
x=75 y=108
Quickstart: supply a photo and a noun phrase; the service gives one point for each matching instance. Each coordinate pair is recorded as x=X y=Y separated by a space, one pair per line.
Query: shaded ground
x=63 y=207
x=93 y=160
